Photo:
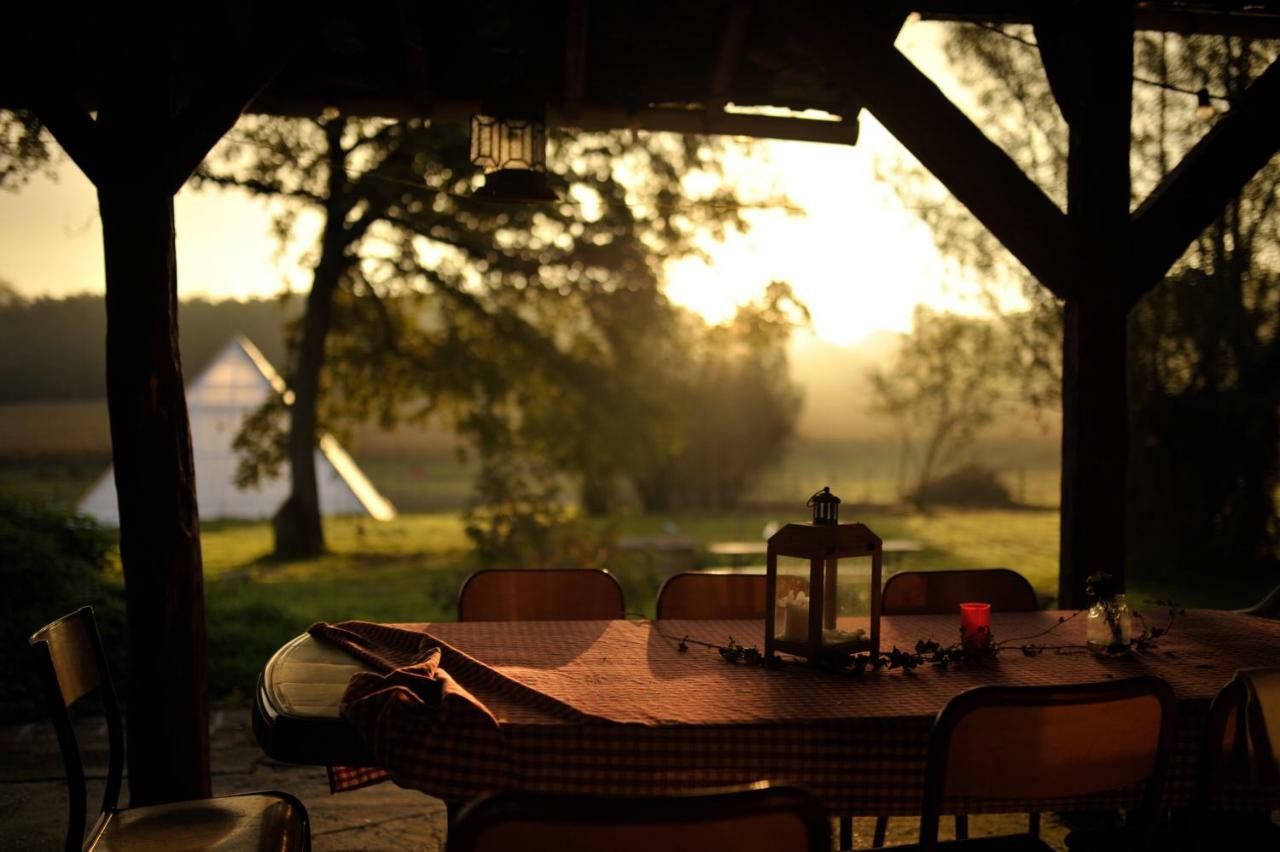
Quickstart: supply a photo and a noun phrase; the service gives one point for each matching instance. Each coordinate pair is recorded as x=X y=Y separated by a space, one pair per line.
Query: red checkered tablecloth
x=615 y=707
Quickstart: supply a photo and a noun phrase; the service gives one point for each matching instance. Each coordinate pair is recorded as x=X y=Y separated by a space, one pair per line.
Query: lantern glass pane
x=508 y=143
x=847 y=601
x=791 y=605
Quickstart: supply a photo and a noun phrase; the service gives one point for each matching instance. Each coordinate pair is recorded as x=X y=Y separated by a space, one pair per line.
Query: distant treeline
x=52 y=349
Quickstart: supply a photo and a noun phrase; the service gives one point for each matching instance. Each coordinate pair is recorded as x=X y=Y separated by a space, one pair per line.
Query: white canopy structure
x=239 y=380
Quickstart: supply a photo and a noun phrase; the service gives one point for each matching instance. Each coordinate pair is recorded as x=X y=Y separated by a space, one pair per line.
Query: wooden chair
x=551 y=594
x=942 y=592
x=70 y=660
x=1218 y=766
x=1049 y=743
x=754 y=819
x=1268 y=607
x=696 y=595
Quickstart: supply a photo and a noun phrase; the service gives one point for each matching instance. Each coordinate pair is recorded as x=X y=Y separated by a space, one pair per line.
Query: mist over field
x=55 y=441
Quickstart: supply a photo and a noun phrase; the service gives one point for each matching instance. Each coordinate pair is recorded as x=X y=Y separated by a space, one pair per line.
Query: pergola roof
x=657 y=65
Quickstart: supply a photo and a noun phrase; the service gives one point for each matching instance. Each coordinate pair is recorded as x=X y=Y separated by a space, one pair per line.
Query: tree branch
x=1212 y=173
x=261 y=187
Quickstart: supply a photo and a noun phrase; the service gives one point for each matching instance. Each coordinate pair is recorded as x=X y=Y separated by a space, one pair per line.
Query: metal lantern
x=815 y=572
x=513 y=153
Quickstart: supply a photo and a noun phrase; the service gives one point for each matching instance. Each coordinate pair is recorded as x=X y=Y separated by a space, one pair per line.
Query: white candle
x=797 y=619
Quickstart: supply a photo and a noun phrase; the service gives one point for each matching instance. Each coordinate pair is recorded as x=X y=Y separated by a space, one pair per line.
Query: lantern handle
x=826 y=489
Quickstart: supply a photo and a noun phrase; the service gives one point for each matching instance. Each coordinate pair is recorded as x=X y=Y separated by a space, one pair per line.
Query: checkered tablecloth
x=615 y=707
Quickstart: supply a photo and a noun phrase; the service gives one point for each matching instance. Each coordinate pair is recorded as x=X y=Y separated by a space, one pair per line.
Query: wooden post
x=168 y=720
x=1088 y=54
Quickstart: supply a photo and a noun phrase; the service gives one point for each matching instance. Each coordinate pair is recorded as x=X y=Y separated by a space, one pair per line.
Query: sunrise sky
x=859 y=259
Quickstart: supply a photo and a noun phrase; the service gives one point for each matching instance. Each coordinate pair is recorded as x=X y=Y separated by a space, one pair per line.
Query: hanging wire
x=1202 y=95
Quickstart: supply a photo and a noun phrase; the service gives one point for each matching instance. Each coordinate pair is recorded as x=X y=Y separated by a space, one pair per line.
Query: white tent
x=238 y=381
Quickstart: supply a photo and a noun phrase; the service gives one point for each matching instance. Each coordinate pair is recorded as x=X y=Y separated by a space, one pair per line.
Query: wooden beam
x=209 y=115
x=729 y=55
x=696 y=119
x=415 y=57
x=72 y=127
x=972 y=167
x=575 y=58
x=1211 y=174
x=1088 y=54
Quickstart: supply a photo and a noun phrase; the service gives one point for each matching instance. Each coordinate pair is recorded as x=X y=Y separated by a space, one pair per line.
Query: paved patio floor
x=33 y=794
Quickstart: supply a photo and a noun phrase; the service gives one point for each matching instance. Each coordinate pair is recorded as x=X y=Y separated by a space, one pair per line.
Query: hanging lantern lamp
x=513 y=153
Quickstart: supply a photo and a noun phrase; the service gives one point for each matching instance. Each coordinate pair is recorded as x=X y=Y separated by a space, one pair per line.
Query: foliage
x=971 y=485
x=51 y=563
x=1204 y=405
x=51 y=348
x=426 y=300
x=944 y=388
x=929 y=652
x=25 y=149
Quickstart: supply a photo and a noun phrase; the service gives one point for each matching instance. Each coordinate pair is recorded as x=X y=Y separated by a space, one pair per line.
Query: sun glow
x=855 y=255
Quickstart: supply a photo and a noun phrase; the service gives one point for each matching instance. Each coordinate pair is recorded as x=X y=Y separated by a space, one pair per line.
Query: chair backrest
x=940 y=592
x=763 y=818
x=1049 y=742
x=550 y=594
x=712 y=596
x=72 y=665
x=1226 y=744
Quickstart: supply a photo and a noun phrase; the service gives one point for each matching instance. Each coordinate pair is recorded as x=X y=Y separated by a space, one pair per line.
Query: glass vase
x=1110 y=627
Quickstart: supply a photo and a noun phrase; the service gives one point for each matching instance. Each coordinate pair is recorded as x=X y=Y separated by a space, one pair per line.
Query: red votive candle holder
x=975 y=626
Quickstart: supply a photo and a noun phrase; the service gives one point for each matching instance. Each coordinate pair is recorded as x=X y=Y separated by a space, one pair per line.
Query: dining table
x=635 y=707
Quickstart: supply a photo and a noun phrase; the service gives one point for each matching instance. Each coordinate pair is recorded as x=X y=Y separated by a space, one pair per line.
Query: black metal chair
x=759 y=818
x=72 y=664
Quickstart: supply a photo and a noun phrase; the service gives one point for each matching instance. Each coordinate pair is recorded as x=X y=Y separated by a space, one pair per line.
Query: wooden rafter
x=73 y=127
x=976 y=170
x=415 y=59
x=575 y=57
x=208 y=116
x=1212 y=173
x=730 y=53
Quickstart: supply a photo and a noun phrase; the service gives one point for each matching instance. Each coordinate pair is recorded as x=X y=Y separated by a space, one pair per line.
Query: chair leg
x=882 y=825
x=846 y=832
x=1033 y=825
x=962 y=826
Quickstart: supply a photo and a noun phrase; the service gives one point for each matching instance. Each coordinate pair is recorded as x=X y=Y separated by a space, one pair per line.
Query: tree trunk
x=298 y=530
x=168 y=723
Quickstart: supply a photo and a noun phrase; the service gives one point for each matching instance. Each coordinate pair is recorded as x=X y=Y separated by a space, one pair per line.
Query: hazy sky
x=858 y=259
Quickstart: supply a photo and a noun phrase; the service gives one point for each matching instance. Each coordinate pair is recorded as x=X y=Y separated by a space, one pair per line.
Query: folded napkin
x=403 y=708
x=1258 y=724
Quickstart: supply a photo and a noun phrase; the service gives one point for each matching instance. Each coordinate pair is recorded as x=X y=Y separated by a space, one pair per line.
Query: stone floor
x=33 y=795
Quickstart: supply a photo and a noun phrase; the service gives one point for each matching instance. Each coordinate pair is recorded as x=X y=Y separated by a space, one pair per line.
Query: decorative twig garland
x=932 y=653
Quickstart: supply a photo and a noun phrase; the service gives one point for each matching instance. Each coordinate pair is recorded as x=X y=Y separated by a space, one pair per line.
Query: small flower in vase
x=1110 y=623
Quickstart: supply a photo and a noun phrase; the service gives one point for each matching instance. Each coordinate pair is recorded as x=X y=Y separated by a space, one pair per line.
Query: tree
x=25 y=149
x=422 y=294
x=946 y=385
x=1203 y=406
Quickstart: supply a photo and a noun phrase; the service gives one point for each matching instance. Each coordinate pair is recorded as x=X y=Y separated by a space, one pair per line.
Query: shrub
x=971 y=486
x=51 y=563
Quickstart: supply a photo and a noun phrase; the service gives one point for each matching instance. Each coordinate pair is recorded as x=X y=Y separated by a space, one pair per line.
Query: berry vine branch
x=932 y=653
